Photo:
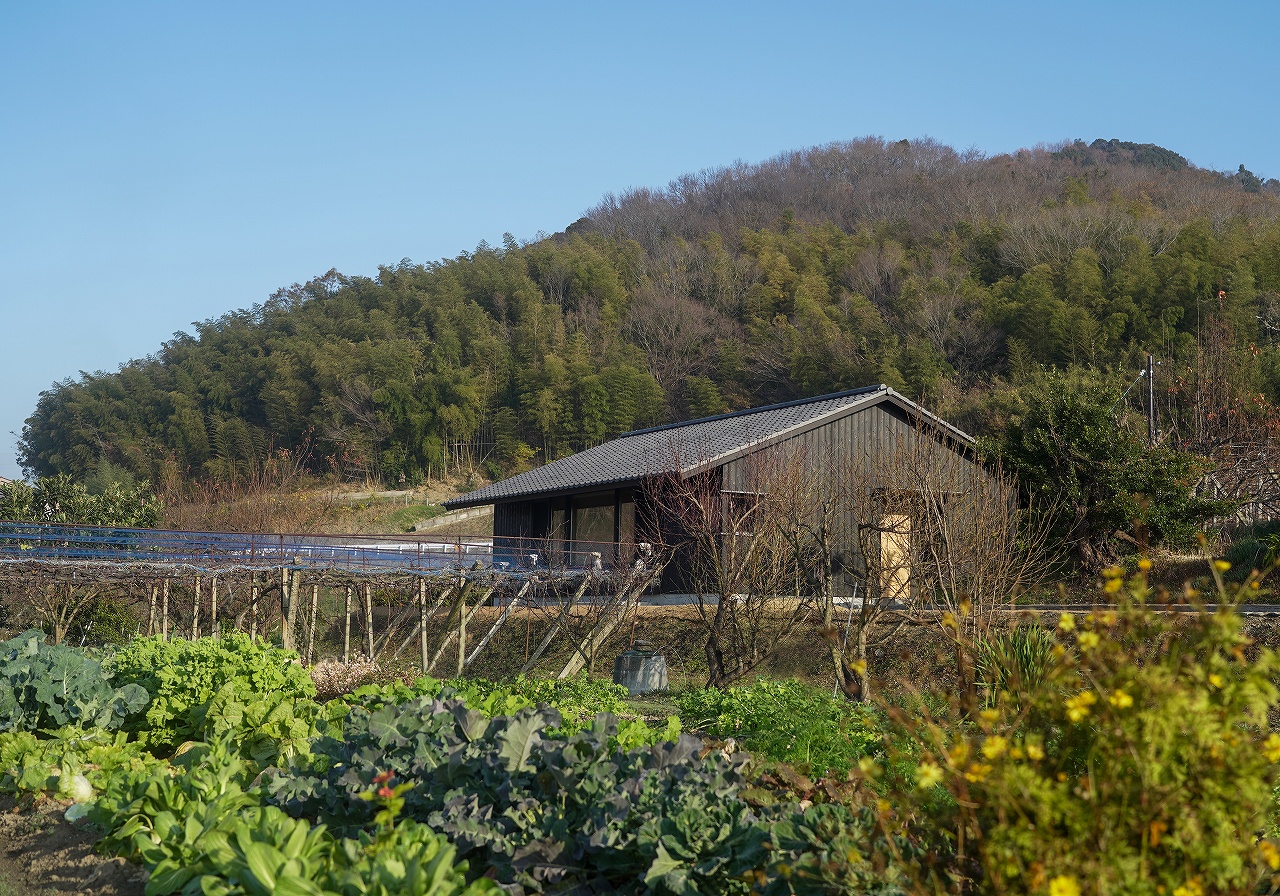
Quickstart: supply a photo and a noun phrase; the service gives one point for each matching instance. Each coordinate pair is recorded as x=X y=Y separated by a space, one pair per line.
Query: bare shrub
x=276 y=496
x=333 y=678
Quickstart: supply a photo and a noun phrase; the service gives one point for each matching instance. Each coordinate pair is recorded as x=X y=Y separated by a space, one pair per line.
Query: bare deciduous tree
x=746 y=581
x=975 y=550
x=917 y=532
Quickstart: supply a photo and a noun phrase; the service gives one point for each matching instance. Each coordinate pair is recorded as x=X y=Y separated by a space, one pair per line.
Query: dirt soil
x=43 y=853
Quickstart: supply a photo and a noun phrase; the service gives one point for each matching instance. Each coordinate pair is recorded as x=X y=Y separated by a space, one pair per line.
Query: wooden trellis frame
x=233 y=597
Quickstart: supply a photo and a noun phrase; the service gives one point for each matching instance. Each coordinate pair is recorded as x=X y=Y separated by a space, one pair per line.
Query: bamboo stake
x=556 y=626
x=289 y=635
x=346 y=631
x=502 y=617
x=393 y=628
x=164 y=618
x=613 y=612
x=418 y=629
x=422 y=623
x=151 y=613
x=462 y=642
x=195 y=612
x=368 y=620
x=253 y=607
x=311 y=633
x=467 y=620
x=213 y=607
x=284 y=605
x=452 y=632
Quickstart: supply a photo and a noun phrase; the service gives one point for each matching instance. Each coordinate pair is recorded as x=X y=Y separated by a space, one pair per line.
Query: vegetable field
x=1124 y=754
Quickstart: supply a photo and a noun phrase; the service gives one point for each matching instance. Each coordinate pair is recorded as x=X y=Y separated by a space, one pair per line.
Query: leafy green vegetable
x=579 y=699
x=532 y=802
x=203 y=829
x=47 y=686
x=53 y=764
x=205 y=687
x=786 y=721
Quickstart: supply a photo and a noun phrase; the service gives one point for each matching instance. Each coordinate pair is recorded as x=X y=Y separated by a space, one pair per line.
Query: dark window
x=593 y=517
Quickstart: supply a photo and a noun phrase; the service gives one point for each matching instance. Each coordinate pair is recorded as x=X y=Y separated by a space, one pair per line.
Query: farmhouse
x=603 y=499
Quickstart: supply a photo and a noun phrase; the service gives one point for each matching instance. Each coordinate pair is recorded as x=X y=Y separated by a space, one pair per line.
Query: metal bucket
x=641 y=670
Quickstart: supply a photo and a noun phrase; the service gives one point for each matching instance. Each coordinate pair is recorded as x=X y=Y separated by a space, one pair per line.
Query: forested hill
x=945 y=274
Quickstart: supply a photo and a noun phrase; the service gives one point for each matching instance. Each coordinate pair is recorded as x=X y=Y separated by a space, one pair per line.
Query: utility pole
x=1151 y=402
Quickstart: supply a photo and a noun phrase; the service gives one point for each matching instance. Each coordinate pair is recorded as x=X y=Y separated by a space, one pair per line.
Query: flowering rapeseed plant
x=1141 y=764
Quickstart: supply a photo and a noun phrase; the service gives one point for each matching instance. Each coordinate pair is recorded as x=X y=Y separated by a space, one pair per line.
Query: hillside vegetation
x=954 y=277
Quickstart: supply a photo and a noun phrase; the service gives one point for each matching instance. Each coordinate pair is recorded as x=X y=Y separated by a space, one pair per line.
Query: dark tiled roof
x=646 y=452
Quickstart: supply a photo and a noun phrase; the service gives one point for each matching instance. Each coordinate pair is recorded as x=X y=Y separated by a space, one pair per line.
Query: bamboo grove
x=947 y=275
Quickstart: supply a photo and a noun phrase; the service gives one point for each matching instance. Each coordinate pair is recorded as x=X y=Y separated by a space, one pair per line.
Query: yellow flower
x=958 y=754
x=990 y=716
x=867 y=765
x=1221 y=565
x=977 y=772
x=949 y=621
x=1270 y=854
x=995 y=746
x=1087 y=640
x=1144 y=564
x=1078 y=706
x=1062 y=885
x=1215 y=680
x=1066 y=622
x=1190 y=888
x=1015 y=753
x=1120 y=700
x=1108 y=618
x=928 y=774
x=1113 y=572
x=1113 y=585
x=1271 y=747
x=1035 y=751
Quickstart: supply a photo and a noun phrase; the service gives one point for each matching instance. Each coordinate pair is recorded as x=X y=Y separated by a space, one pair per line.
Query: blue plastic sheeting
x=55 y=543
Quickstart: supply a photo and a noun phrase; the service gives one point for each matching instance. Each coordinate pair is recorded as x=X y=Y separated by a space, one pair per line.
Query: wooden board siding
x=869 y=438
x=869 y=435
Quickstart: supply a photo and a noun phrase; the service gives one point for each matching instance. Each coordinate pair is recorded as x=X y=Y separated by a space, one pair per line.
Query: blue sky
x=164 y=163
